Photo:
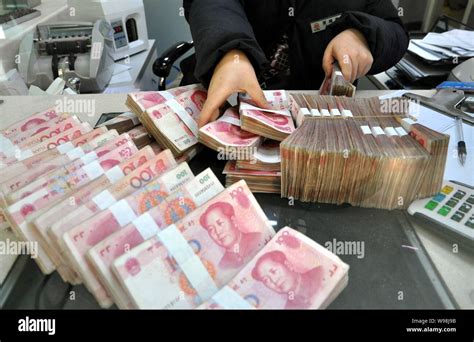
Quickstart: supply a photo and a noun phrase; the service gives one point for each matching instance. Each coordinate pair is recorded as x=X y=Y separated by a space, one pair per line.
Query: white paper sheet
x=454 y=170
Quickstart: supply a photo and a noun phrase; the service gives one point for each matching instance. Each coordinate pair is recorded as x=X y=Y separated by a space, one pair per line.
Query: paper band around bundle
x=167 y=95
x=104 y=200
x=376 y=131
x=366 y=130
x=246 y=106
x=75 y=153
x=401 y=131
x=24 y=154
x=407 y=123
x=189 y=262
x=89 y=157
x=305 y=112
x=230 y=120
x=7 y=147
x=65 y=148
x=347 y=113
x=114 y=174
x=184 y=116
x=391 y=132
x=325 y=113
x=123 y=213
x=94 y=170
x=146 y=226
x=228 y=299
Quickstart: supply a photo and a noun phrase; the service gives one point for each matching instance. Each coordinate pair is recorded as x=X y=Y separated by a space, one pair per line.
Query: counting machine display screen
x=119 y=34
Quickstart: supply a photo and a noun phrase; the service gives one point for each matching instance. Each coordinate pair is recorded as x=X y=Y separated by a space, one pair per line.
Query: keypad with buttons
x=452 y=208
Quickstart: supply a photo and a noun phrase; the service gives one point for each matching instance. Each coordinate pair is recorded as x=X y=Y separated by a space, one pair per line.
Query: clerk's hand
x=351 y=50
x=233 y=74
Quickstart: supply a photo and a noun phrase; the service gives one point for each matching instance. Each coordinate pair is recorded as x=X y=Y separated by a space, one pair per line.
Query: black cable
x=40 y=292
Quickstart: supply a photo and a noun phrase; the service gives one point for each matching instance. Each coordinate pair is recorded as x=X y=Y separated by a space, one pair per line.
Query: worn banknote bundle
x=336 y=84
x=171 y=116
x=122 y=123
x=258 y=181
x=226 y=135
x=266 y=157
x=140 y=136
x=244 y=136
x=291 y=272
x=274 y=122
x=355 y=151
x=141 y=101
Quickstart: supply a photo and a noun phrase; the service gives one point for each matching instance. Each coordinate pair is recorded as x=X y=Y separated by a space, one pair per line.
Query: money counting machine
x=127 y=18
x=80 y=53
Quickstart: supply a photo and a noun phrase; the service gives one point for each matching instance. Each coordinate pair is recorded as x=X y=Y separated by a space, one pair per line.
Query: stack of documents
x=439 y=46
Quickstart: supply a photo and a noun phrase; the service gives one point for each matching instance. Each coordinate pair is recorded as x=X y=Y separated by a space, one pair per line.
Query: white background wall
x=165 y=24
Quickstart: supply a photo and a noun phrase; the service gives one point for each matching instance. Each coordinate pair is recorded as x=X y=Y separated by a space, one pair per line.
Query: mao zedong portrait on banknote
x=274 y=270
x=219 y=221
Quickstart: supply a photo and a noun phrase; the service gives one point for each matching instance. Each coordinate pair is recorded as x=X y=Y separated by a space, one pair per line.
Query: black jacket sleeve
x=218 y=26
x=383 y=29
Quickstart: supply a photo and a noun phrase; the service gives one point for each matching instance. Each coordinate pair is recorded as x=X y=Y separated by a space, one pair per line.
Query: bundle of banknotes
x=121 y=123
x=249 y=138
x=246 y=134
x=223 y=254
x=171 y=116
x=274 y=123
x=258 y=181
x=358 y=151
x=140 y=230
x=336 y=84
x=52 y=158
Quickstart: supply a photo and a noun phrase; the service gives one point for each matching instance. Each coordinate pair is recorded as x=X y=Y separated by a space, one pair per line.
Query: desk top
x=404 y=266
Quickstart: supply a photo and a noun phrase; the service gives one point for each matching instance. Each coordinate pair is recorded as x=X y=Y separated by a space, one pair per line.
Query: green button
x=452 y=203
x=444 y=211
x=431 y=205
x=458 y=217
x=470 y=223
x=470 y=200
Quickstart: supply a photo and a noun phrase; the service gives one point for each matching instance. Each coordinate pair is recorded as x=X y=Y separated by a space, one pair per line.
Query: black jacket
x=256 y=26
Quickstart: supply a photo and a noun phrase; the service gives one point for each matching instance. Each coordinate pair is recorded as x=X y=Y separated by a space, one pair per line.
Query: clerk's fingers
x=367 y=60
x=355 y=69
x=210 y=110
x=347 y=67
x=328 y=61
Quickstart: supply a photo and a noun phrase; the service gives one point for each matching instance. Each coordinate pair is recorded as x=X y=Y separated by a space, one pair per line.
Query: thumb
x=210 y=110
x=257 y=95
